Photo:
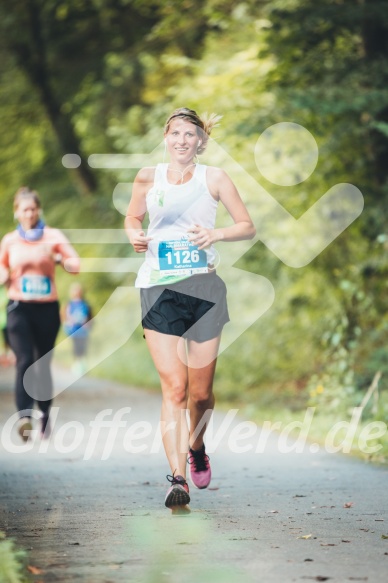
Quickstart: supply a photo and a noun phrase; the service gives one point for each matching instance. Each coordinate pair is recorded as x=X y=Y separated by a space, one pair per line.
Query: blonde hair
x=204 y=123
x=24 y=193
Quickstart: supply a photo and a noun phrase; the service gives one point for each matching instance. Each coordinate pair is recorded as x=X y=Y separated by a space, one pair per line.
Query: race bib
x=181 y=257
x=35 y=287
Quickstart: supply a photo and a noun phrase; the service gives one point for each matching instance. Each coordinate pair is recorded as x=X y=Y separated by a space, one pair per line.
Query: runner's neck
x=183 y=172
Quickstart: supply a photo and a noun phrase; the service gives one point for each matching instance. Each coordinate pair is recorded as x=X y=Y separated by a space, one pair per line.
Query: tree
x=332 y=65
x=331 y=73
x=84 y=58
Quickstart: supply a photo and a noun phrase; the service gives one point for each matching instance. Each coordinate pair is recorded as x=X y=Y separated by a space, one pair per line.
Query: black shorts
x=194 y=308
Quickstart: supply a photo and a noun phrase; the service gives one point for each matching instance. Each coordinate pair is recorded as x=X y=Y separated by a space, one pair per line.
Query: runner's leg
x=21 y=341
x=200 y=381
x=173 y=377
x=46 y=327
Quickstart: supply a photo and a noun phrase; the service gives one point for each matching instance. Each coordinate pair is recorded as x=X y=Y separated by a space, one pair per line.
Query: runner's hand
x=202 y=237
x=139 y=241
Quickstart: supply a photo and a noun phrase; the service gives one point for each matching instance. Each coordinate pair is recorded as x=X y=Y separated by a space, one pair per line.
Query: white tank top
x=172 y=209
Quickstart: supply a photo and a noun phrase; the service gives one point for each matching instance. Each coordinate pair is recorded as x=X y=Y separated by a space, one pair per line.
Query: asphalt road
x=88 y=505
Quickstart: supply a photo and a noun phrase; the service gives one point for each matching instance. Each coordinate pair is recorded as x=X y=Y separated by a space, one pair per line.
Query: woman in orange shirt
x=28 y=257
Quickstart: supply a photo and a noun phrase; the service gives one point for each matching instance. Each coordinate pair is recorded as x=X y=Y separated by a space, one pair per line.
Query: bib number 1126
x=181 y=257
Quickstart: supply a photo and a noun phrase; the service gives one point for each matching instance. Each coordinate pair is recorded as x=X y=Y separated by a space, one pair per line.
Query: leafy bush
x=10 y=561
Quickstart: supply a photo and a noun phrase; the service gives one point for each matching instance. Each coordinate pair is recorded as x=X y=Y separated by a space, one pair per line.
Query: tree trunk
x=33 y=60
x=375 y=40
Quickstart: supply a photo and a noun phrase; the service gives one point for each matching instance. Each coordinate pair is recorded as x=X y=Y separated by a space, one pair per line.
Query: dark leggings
x=32 y=330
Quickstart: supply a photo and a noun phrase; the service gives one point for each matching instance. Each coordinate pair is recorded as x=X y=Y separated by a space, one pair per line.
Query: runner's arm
x=69 y=256
x=4 y=264
x=137 y=210
x=222 y=188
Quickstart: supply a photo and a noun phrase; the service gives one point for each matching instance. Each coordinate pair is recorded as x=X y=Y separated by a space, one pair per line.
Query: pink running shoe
x=178 y=493
x=200 y=471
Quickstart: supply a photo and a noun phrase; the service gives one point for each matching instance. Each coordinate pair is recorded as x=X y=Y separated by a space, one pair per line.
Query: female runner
x=28 y=257
x=183 y=300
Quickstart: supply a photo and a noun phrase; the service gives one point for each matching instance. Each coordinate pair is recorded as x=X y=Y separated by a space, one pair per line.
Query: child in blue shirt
x=77 y=323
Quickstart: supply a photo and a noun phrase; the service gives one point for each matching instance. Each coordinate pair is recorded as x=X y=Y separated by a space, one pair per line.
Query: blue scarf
x=32 y=234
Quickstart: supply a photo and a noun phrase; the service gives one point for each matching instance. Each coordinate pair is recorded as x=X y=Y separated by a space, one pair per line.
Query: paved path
x=92 y=520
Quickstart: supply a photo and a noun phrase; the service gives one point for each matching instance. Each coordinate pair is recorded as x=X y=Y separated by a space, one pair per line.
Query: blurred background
x=101 y=76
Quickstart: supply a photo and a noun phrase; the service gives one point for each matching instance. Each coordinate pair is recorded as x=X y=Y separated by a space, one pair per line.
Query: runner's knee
x=175 y=392
x=24 y=361
x=201 y=396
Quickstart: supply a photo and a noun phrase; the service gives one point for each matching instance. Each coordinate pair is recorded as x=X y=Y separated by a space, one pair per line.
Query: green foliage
x=331 y=70
x=10 y=561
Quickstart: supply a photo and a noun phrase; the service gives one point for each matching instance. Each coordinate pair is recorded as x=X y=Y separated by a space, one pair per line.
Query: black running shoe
x=178 y=493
